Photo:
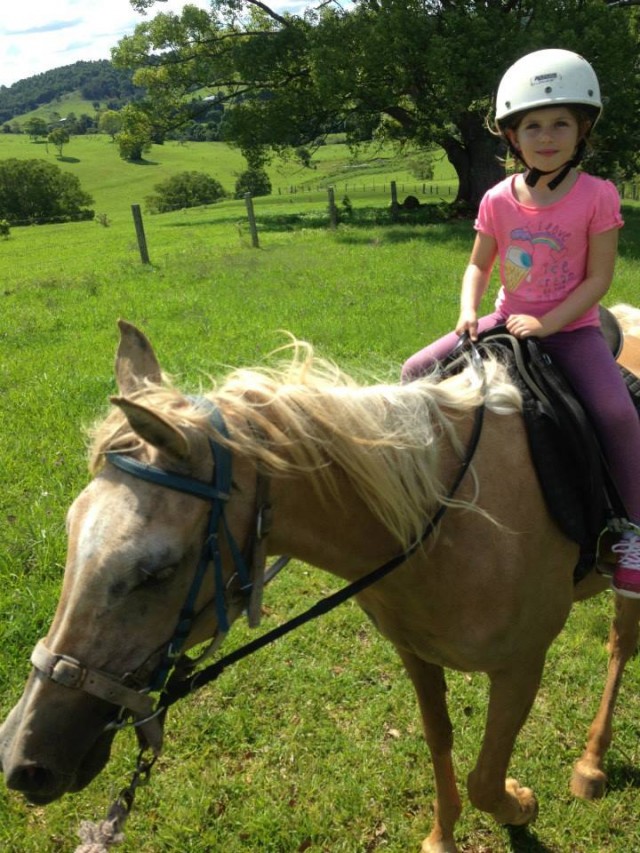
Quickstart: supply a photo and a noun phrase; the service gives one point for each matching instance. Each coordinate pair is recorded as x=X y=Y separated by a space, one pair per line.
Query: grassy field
x=313 y=744
x=94 y=159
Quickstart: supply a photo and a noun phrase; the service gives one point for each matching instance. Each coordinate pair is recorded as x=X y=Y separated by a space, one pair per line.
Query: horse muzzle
x=69 y=672
x=50 y=745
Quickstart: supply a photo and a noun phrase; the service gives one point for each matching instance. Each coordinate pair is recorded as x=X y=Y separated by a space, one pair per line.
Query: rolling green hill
x=83 y=84
x=116 y=184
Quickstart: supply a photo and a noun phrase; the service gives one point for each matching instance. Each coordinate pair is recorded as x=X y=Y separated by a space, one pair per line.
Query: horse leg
x=589 y=779
x=511 y=696
x=430 y=686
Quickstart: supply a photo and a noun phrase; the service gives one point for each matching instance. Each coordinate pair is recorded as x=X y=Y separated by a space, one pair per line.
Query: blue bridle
x=71 y=672
x=218 y=493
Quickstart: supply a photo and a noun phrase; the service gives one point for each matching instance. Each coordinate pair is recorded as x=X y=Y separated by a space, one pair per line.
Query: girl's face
x=547 y=138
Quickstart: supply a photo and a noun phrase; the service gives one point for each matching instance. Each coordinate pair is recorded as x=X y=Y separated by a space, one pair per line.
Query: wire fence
x=354 y=188
x=629 y=190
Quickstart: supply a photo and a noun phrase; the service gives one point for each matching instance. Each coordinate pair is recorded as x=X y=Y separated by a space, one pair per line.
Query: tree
x=417 y=71
x=254 y=181
x=110 y=122
x=35 y=127
x=186 y=189
x=59 y=137
x=39 y=191
x=134 y=139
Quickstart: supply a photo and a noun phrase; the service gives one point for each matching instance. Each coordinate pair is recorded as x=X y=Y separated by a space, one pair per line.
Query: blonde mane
x=307 y=415
x=629 y=318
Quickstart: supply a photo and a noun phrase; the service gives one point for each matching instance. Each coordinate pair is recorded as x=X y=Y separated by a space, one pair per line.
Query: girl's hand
x=525 y=326
x=468 y=323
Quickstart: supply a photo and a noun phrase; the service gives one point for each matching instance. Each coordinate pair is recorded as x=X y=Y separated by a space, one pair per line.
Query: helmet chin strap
x=533 y=175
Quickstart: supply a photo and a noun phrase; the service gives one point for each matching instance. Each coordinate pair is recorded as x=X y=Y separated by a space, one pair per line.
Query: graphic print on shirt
x=545 y=249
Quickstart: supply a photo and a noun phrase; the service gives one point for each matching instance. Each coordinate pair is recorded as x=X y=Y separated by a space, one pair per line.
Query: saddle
x=565 y=450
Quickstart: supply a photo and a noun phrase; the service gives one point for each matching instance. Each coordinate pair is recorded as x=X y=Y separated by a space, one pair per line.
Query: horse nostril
x=32 y=780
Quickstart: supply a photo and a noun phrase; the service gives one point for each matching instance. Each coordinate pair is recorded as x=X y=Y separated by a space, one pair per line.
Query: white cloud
x=38 y=35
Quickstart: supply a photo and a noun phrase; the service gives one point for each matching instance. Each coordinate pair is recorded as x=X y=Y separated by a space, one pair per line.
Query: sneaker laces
x=629 y=550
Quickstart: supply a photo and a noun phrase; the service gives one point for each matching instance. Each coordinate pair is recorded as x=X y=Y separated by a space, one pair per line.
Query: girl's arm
x=474 y=283
x=600 y=265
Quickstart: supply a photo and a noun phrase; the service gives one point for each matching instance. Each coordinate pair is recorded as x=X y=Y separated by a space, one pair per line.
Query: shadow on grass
x=621 y=775
x=401 y=224
x=142 y=162
x=522 y=839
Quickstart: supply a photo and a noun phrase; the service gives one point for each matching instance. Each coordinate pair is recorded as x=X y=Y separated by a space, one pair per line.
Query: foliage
x=110 y=122
x=5 y=229
x=59 y=137
x=135 y=137
x=422 y=166
x=35 y=191
x=187 y=189
x=98 y=81
x=35 y=127
x=254 y=181
x=407 y=70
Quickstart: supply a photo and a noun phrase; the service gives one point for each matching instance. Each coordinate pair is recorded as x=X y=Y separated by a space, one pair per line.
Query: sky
x=38 y=35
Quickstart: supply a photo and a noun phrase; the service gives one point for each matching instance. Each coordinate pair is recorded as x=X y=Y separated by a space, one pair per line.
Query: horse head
x=134 y=549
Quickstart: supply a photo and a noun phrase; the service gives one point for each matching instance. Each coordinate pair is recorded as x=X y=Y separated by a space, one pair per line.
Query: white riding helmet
x=548 y=78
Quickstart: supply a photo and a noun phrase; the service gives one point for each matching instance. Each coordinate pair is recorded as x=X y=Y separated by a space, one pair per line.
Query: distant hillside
x=96 y=81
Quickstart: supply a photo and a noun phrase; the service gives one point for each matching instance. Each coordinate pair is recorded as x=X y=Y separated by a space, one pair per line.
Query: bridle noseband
x=247 y=586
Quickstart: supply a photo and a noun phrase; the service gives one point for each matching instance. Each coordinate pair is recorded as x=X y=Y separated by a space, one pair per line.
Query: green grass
x=72 y=102
x=115 y=184
x=313 y=744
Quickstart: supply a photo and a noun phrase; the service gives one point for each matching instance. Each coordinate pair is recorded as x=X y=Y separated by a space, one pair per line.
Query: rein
x=174 y=676
x=180 y=685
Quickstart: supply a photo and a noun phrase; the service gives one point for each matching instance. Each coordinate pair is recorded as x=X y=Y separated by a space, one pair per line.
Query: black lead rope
x=179 y=686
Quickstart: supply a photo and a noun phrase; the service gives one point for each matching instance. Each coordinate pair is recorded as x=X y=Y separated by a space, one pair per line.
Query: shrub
x=422 y=166
x=254 y=181
x=187 y=189
x=5 y=229
x=39 y=191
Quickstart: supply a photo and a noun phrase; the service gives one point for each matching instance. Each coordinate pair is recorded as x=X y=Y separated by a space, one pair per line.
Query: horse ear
x=154 y=429
x=135 y=360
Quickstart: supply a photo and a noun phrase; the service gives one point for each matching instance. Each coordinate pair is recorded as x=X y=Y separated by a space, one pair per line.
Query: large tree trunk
x=475 y=155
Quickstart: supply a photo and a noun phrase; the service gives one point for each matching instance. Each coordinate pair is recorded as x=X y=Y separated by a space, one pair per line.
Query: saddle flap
x=564 y=449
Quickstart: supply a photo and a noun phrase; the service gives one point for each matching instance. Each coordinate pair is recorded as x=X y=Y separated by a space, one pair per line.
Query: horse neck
x=340 y=535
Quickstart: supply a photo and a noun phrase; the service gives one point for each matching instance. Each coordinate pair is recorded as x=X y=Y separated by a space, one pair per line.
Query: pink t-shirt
x=543 y=250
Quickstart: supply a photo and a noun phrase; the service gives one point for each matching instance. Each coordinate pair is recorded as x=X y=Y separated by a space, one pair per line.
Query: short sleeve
x=606 y=214
x=484 y=220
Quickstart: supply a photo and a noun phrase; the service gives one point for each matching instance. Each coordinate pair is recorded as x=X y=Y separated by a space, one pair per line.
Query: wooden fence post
x=252 y=221
x=142 y=240
x=333 y=212
x=394 y=201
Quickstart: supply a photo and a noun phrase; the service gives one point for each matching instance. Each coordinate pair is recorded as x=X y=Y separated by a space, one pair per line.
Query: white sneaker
x=626 y=575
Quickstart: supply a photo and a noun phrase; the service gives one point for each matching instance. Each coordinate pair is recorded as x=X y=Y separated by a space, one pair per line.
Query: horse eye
x=158 y=576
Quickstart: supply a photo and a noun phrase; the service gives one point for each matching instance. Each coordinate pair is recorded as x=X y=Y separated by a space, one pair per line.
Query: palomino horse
x=350 y=475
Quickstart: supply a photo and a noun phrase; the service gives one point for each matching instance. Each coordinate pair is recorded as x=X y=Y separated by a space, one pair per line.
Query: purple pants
x=585 y=359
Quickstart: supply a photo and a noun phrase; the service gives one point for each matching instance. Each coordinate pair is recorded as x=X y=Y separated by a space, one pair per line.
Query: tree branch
x=269 y=12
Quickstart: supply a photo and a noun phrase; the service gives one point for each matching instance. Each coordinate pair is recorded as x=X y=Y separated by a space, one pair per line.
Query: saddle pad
x=564 y=449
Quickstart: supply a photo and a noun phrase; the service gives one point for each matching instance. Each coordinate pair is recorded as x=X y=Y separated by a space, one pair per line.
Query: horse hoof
x=587 y=781
x=438 y=847
x=526 y=804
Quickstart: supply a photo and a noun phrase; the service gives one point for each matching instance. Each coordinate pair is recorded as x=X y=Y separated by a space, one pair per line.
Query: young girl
x=555 y=232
